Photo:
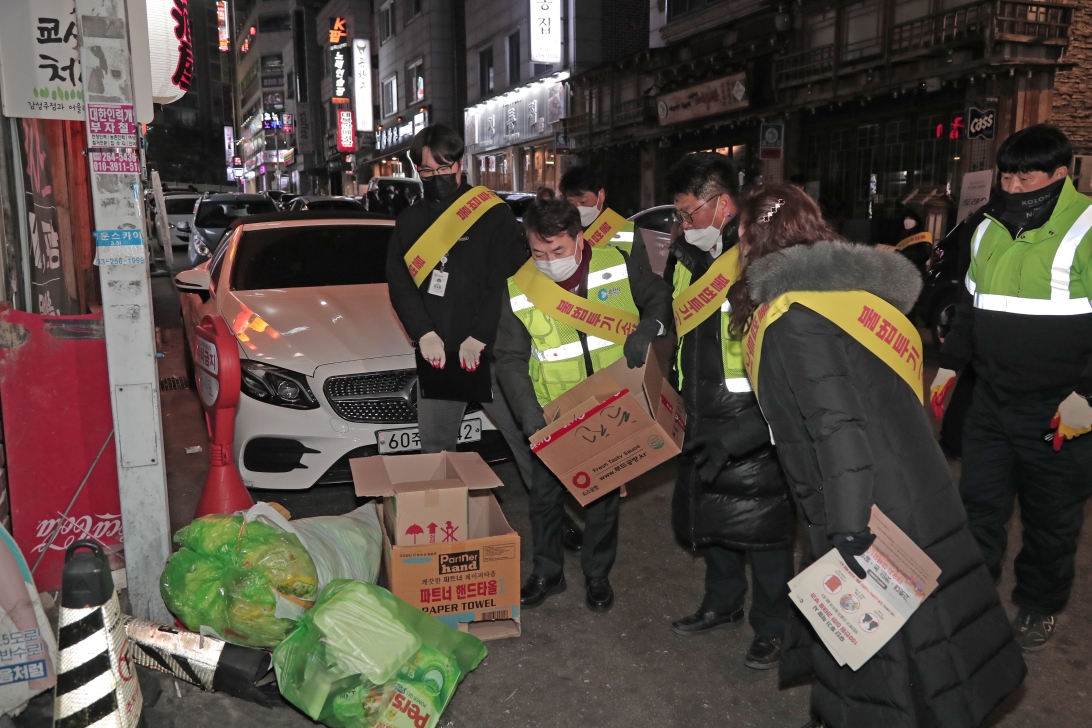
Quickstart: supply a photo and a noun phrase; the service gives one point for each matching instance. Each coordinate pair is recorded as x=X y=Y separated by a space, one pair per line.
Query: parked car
x=328 y=373
x=655 y=224
x=324 y=203
x=518 y=201
x=212 y=216
x=378 y=198
x=278 y=198
x=180 y=209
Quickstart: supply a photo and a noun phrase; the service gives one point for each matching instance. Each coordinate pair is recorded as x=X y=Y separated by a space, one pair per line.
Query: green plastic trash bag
x=280 y=557
x=192 y=587
x=214 y=536
x=362 y=657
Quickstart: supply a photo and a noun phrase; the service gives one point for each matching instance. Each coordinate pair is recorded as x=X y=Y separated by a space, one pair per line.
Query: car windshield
x=302 y=256
x=335 y=205
x=179 y=205
x=220 y=214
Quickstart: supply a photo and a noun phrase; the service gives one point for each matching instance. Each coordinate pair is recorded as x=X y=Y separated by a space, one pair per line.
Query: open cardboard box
x=615 y=425
x=425 y=496
x=472 y=585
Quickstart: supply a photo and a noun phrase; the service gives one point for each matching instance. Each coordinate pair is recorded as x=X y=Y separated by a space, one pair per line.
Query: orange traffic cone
x=224 y=490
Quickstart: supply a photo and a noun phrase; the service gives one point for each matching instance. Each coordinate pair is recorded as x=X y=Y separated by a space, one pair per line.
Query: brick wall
x=625 y=28
x=1072 y=88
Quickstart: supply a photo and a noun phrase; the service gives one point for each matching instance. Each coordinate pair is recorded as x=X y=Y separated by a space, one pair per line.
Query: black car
x=214 y=213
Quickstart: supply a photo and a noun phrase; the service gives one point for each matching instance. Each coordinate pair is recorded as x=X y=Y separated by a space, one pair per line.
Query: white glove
x=432 y=349
x=470 y=353
x=939 y=390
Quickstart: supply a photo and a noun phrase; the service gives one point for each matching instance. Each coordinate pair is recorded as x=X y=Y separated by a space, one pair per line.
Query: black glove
x=710 y=456
x=853 y=544
x=637 y=343
x=532 y=421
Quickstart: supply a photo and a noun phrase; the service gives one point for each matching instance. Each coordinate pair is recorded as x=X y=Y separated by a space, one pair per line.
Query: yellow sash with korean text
x=707 y=294
x=605 y=227
x=583 y=314
x=873 y=322
x=925 y=237
x=442 y=235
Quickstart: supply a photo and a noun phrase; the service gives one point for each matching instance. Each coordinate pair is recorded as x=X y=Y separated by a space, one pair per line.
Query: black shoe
x=1032 y=631
x=537 y=588
x=764 y=653
x=704 y=620
x=600 y=595
x=572 y=538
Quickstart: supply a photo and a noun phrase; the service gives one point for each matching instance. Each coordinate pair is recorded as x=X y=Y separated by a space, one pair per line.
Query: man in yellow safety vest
x=542 y=352
x=583 y=187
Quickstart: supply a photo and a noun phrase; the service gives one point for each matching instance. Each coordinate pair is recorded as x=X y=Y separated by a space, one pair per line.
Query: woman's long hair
x=771 y=218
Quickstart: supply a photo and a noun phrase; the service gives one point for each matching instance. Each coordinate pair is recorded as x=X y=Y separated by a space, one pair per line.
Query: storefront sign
x=974 y=193
x=981 y=123
x=525 y=115
x=771 y=141
x=337 y=30
x=470 y=127
x=546 y=31
x=171 y=42
x=223 y=30
x=287 y=123
x=708 y=99
x=40 y=60
x=272 y=81
x=362 y=84
x=346 y=132
x=340 y=72
x=111 y=125
x=304 y=130
x=562 y=143
x=229 y=144
x=244 y=47
x=511 y=123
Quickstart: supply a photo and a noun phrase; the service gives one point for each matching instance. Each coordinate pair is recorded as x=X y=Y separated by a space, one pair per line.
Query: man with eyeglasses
x=730 y=496
x=448 y=264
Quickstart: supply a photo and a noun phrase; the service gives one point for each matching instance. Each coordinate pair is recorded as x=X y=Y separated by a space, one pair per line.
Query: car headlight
x=273 y=385
x=201 y=245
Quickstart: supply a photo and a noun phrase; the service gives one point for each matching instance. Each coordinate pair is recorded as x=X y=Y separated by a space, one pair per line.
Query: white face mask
x=558 y=269
x=909 y=223
x=704 y=238
x=587 y=214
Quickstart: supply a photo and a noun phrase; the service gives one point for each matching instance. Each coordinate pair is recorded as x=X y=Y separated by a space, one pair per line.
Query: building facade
x=873 y=105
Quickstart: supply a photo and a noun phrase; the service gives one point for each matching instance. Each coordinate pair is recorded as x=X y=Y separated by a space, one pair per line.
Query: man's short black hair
x=703 y=175
x=1039 y=148
x=579 y=180
x=446 y=145
x=550 y=218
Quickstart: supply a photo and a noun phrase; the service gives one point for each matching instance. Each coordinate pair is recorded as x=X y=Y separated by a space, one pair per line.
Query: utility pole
x=118 y=199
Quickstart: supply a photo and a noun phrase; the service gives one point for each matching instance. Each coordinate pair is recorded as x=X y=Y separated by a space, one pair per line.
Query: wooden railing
x=963 y=23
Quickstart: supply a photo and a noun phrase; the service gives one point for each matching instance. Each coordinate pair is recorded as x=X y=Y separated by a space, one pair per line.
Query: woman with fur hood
x=852 y=433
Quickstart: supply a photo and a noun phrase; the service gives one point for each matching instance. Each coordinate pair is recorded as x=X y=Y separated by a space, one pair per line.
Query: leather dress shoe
x=704 y=620
x=600 y=594
x=572 y=538
x=764 y=654
x=537 y=588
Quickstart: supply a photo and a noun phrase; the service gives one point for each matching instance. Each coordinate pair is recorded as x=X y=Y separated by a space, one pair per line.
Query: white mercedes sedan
x=327 y=370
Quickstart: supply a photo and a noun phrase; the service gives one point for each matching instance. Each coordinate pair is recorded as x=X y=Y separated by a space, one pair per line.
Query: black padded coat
x=851 y=433
x=748 y=506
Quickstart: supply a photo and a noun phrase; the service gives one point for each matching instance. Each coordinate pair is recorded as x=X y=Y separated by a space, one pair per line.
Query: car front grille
x=378 y=397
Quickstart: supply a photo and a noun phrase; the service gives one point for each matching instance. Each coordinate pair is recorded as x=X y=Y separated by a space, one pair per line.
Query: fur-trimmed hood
x=835 y=266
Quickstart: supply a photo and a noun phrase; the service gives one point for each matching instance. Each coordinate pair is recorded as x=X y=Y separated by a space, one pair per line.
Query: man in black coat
x=730 y=497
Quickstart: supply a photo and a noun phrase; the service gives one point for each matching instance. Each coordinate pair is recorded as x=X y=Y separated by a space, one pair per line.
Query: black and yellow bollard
x=96 y=683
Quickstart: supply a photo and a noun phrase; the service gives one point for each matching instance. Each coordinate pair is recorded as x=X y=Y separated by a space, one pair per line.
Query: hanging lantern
x=171 y=43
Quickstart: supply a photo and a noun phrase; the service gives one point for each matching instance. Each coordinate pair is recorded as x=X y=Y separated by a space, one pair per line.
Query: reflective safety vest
x=731 y=350
x=623 y=239
x=1044 y=272
x=557 y=354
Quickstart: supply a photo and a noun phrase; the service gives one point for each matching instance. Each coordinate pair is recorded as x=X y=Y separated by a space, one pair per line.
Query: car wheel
x=943 y=315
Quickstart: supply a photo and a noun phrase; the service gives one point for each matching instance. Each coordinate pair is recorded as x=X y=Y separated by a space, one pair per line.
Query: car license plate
x=395 y=441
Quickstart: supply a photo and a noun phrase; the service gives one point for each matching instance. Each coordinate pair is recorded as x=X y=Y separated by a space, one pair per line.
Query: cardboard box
x=610 y=428
x=425 y=496
x=472 y=585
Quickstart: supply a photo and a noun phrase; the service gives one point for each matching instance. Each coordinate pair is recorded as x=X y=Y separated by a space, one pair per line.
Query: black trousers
x=547 y=511
x=726 y=586
x=1004 y=459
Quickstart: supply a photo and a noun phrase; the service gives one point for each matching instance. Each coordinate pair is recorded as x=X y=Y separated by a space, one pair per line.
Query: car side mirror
x=183 y=226
x=195 y=280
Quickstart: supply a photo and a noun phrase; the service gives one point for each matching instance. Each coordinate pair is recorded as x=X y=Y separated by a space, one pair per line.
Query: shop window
x=513 y=59
x=868 y=138
x=819 y=29
x=896 y=143
x=386 y=22
x=540 y=69
x=681 y=8
x=390 y=95
x=485 y=72
x=272 y=63
x=415 y=82
x=907 y=10
x=861 y=35
x=413 y=9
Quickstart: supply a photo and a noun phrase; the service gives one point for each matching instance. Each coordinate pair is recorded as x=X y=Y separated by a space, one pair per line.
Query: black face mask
x=1023 y=208
x=440 y=186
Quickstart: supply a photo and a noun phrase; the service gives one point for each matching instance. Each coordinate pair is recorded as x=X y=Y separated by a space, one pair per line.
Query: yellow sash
x=583 y=314
x=876 y=324
x=605 y=227
x=442 y=235
x=707 y=294
x=925 y=237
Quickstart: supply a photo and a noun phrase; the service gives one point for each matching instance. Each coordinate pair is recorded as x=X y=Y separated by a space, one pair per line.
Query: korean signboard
x=981 y=123
x=341 y=72
x=346 y=131
x=362 y=85
x=771 y=141
x=546 y=31
x=222 y=28
x=40 y=60
x=229 y=144
x=526 y=114
x=708 y=99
